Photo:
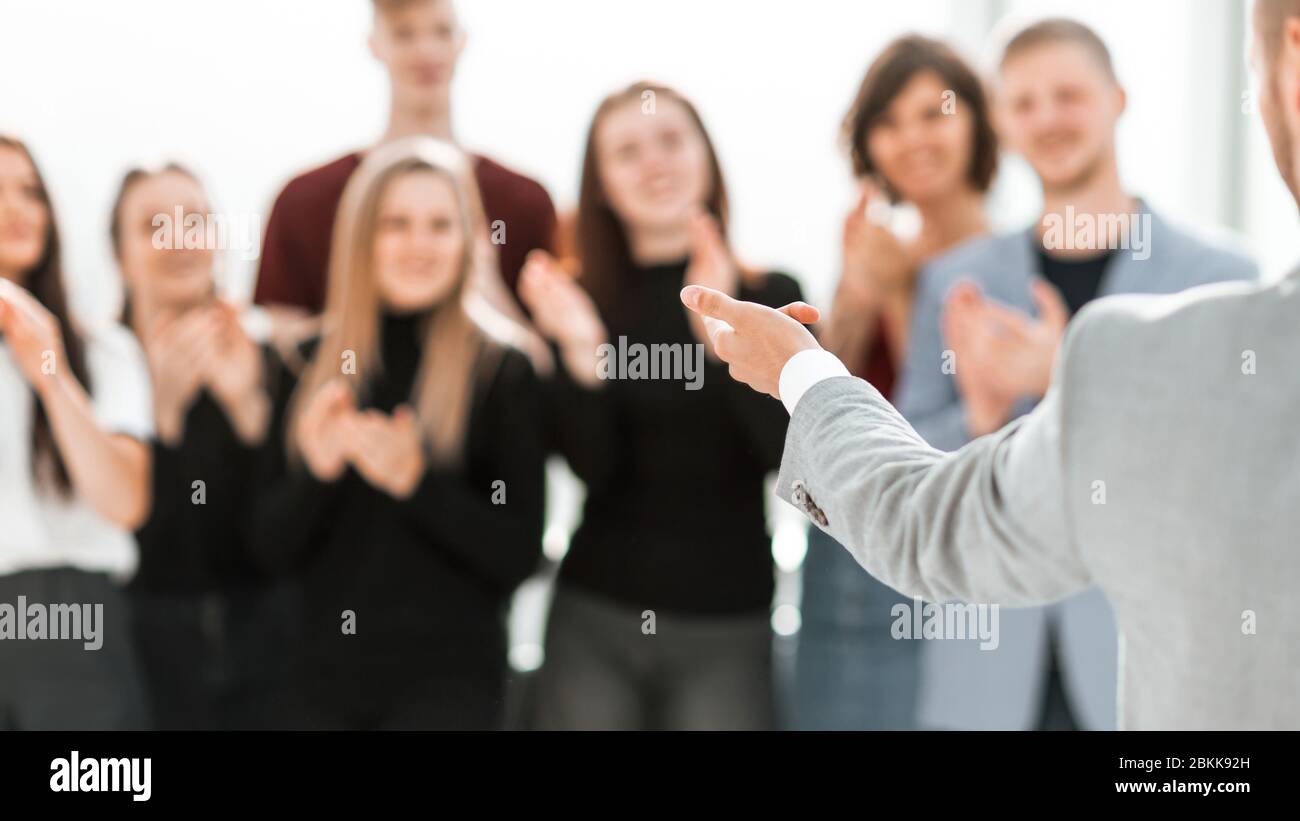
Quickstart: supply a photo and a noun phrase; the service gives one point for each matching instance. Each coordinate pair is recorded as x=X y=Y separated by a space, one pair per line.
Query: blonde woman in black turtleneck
x=661 y=613
x=407 y=485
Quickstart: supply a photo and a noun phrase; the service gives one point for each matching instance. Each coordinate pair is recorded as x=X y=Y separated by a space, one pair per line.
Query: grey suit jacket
x=1161 y=467
x=963 y=686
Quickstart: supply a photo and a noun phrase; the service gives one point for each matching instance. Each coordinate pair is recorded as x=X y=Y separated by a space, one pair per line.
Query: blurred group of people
x=319 y=520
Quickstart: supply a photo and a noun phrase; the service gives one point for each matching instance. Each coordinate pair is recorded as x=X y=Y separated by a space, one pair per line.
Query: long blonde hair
x=471 y=325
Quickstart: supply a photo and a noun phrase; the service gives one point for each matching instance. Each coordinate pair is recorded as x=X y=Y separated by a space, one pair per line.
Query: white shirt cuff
x=805 y=369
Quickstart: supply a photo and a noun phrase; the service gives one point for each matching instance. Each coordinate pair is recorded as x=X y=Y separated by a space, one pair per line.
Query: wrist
x=49 y=387
x=250 y=416
x=582 y=361
x=983 y=421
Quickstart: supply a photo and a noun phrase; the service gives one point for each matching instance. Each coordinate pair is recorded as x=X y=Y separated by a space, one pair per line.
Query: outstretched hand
x=754 y=340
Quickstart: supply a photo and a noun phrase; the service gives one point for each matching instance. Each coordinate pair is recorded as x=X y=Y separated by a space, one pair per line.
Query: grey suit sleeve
x=986 y=524
x=927 y=396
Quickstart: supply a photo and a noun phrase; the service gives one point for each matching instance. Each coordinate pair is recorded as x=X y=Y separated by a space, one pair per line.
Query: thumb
x=802 y=312
x=338 y=395
x=710 y=303
x=1051 y=307
x=403 y=416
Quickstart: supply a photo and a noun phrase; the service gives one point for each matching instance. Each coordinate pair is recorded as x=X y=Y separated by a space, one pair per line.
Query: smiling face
x=1058 y=107
x=420 y=245
x=419 y=43
x=654 y=168
x=923 y=153
x=172 y=278
x=24 y=215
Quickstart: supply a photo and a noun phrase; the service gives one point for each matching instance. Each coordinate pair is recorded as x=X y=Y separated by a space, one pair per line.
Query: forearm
x=851 y=327
x=896 y=311
x=109 y=471
x=581 y=423
x=500 y=543
x=983 y=524
x=285 y=516
x=249 y=417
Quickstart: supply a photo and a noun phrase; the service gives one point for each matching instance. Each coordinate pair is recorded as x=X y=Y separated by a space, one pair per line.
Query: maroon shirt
x=295 y=252
x=877 y=366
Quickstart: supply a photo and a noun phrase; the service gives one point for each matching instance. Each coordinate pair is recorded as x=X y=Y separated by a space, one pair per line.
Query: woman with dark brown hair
x=661 y=616
x=918 y=134
x=74 y=481
x=209 y=626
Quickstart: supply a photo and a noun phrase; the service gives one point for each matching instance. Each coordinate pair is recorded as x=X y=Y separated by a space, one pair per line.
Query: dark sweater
x=674 y=519
x=295 y=252
x=188 y=548
x=428 y=578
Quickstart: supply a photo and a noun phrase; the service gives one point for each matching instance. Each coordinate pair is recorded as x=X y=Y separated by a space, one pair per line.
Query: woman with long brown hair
x=74 y=481
x=918 y=134
x=407 y=459
x=209 y=626
x=661 y=616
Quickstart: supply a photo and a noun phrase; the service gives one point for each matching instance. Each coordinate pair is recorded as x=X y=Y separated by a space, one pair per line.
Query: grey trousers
x=59 y=684
x=603 y=671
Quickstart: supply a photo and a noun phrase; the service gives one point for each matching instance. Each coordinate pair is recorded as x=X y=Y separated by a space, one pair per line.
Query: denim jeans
x=849 y=672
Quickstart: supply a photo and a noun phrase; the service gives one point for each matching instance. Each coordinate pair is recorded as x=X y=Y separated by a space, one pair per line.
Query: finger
x=706 y=235
x=867 y=191
x=162 y=327
x=721 y=336
x=404 y=417
x=802 y=312
x=334 y=396
x=964 y=292
x=708 y=302
x=1051 y=305
x=543 y=260
x=25 y=307
x=1005 y=319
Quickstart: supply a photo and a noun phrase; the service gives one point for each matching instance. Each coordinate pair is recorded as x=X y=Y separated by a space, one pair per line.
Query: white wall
x=251 y=91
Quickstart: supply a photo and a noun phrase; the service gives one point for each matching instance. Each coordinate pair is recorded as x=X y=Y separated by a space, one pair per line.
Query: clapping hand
x=563 y=312
x=1002 y=354
x=33 y=336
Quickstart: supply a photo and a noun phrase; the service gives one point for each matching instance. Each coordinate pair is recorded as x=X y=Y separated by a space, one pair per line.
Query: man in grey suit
x=1160 y=466
x=1057 y=102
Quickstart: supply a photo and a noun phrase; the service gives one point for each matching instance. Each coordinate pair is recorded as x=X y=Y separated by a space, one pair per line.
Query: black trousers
x=466 y=700
x=219 y=660
x=49 y=684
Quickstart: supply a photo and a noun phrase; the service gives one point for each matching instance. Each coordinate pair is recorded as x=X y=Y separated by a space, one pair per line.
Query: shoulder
x=514 y=367
x=497 y=182
x=773 y=289
x=1203 y=255
x=507 y=379
x=323 y=181
x=979 y=259
x=1118 y=333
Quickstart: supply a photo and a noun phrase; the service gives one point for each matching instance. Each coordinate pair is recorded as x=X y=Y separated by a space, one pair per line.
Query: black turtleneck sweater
x=674 y=519
x=187 y=548
x=429 y=577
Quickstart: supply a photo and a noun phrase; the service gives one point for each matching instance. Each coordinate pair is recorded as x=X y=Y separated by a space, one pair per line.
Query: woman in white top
x=74 y=411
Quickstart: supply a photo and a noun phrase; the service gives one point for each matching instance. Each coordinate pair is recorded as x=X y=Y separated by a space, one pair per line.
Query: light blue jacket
x=962 y=686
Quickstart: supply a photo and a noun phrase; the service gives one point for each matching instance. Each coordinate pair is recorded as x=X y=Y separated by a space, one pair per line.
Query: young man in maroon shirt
x=419 y=42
